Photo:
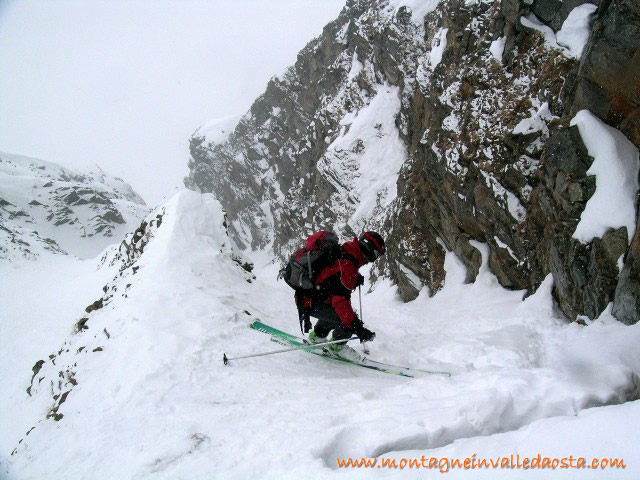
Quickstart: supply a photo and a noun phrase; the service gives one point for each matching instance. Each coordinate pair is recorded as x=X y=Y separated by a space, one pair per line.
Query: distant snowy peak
x=48 y=208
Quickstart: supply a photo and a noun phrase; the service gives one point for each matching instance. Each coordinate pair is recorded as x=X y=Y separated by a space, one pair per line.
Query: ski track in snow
x=157 y=401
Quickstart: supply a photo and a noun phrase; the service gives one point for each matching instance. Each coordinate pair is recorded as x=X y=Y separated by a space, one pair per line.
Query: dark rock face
x=608 y=76
x=487 y=151
x=608 y=86
x=626 y=306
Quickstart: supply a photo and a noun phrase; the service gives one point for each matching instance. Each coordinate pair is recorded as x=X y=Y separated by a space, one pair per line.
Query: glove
x=359 y=280
x=364 y=334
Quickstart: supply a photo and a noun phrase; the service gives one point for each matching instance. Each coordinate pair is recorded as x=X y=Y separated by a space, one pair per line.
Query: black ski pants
x=329 y=320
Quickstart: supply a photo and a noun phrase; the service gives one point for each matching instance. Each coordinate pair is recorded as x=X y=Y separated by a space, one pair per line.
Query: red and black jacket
x=339 y=279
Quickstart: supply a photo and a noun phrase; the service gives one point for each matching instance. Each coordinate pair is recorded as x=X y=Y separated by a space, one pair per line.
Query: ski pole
x=226 y=359
x=365 y=349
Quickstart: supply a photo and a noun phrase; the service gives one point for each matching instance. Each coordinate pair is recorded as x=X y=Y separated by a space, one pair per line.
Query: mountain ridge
x=47 y=208
x=486 y=98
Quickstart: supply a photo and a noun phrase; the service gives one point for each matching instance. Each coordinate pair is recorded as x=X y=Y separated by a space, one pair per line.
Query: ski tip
x=225 y=360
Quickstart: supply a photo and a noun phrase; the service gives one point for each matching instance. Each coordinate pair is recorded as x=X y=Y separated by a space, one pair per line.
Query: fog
x=123 y=84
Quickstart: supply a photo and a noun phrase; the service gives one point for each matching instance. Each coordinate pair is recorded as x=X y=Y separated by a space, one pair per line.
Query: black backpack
x=321 y=249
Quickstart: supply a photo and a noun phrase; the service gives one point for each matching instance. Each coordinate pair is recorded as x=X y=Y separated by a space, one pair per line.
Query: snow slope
x=142 y=392
x=39 y=304
x=598 y=434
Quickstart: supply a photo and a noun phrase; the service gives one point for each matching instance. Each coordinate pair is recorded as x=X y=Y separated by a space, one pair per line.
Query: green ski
x=287 y=339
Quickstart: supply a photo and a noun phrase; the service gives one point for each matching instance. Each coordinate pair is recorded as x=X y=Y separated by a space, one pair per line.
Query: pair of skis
x=298 y=343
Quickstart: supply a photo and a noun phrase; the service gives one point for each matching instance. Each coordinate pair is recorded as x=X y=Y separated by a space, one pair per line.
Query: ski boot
x=315 y=338
x=344 y=351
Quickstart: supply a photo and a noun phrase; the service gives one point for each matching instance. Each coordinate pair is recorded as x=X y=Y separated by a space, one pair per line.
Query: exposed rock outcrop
x=443 y=125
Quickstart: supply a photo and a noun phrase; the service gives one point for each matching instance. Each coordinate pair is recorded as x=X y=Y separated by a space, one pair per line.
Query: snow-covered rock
x=399 y=117
x=617 y=167
x=576 y=29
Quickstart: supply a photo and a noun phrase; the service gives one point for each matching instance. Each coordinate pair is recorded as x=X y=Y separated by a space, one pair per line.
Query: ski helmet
x=372 y=245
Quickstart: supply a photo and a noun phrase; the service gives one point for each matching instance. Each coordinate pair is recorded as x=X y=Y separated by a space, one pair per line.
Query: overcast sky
x=123 y=84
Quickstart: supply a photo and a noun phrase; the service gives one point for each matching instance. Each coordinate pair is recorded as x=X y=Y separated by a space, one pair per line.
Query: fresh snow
x=497 y=48
x=217 y=131
x=451 y=123
x=157 y=402
x=438 y=45
x=536 y=123
x=419 y=8
x=615 y=165
x=367 y=155
x=356 y=67
x=384 y=153
x=531 y=21
x=597 y=433
x=573 y=35
x=39 y=305
x=576 y=29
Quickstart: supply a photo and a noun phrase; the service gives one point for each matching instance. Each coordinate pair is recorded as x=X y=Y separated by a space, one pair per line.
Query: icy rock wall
x=480 y=145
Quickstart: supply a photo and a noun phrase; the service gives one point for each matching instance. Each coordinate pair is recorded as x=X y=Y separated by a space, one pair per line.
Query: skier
x=332 y=304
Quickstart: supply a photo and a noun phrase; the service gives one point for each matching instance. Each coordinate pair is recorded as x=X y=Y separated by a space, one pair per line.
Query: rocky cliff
x=443 y=124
